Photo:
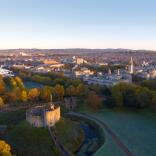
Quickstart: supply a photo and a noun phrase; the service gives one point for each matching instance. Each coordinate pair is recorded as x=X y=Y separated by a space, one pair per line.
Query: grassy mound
x=70 y=134
x=27 y=141
x=12 y=118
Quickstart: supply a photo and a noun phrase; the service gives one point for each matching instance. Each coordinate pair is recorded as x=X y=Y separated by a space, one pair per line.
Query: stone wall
x=35 y=121
x=53 y=116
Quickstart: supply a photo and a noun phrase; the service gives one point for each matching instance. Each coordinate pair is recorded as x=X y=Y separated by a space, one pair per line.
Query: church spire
x=51 y=102
x=131 y=70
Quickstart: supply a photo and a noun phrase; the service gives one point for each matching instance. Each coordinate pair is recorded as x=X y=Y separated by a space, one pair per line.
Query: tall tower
x=109 y=72
x=51 y=105
x=118 y=72
x=131 y=70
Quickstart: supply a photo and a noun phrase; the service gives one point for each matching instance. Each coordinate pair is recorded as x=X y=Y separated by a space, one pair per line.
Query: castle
x=43 y=116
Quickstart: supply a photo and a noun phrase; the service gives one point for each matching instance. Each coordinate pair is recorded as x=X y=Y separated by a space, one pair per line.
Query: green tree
x=144 y=96
x=153 y=105
x=117 y=95
x=94 y=101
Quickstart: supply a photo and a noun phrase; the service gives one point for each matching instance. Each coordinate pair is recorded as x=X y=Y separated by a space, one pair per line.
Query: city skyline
x=69 y=24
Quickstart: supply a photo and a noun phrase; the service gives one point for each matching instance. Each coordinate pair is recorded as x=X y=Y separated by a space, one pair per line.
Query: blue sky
x=78 y=24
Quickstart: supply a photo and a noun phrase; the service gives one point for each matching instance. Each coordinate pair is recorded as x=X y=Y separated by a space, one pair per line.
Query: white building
x=6 y=72
x=83 y=72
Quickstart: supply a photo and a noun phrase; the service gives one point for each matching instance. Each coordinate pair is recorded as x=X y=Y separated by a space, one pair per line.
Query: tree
x=24 y=96
x=33 y=94
x=13 y=83
x=153 y=105
x=19 y=82
x=117 y=95
x=2 y=85
x=144 y=96
x=81 y=89
x=71 y=91
x=1 y=102
x=59 y=91
x=14 y=95
x=94 y=101
x=11 y=97
x=5 y=149
x=45 y=93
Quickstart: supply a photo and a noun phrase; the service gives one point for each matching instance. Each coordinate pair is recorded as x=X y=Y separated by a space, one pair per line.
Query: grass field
x=136 y=129
x=69 y=133
x=11 y=118
x=25 y=139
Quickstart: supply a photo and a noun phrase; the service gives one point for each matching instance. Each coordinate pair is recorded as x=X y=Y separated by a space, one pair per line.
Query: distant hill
x=71 y=51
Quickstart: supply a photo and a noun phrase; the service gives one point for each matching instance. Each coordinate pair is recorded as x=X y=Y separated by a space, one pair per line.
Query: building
x=42 y=116
x=6 y=72
x=109 y=79
x=83 y=72
x=131 y=67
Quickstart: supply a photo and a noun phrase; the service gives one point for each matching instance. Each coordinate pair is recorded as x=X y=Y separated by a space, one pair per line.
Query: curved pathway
x=59 y=146
x=119 y=142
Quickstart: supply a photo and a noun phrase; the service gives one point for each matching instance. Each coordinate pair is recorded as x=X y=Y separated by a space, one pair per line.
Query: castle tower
x=51 y=105
x=131 y=68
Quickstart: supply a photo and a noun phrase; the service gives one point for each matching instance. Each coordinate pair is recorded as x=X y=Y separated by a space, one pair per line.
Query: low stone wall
x=36 y=121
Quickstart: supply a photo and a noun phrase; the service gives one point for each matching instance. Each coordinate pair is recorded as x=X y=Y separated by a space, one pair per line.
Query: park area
x=25 y=140
x=135 y=128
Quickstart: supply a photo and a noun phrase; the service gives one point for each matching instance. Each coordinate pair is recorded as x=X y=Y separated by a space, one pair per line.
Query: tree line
x=131 y=95
x=13 y=91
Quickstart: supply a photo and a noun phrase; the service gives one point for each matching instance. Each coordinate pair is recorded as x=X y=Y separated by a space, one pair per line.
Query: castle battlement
x=40 y=116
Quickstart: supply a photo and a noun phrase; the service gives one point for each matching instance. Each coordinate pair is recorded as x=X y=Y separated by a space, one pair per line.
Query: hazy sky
x=78 y=24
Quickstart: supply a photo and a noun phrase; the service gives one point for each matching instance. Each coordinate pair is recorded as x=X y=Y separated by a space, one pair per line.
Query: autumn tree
x=33 y=94
x=94 y=101
x=19 y=82
x=5 y=149
x=1 y=102
x=45 y=93
x=2 y=85
x=13 y=96
x=24 y=96
x=71 y=91
x=13 y=83
x=59 y=91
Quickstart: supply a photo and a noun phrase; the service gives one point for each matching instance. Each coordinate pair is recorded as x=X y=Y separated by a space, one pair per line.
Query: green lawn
x=69 y=133
x=12 y=118
x=137 y=130
x=25 y=139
